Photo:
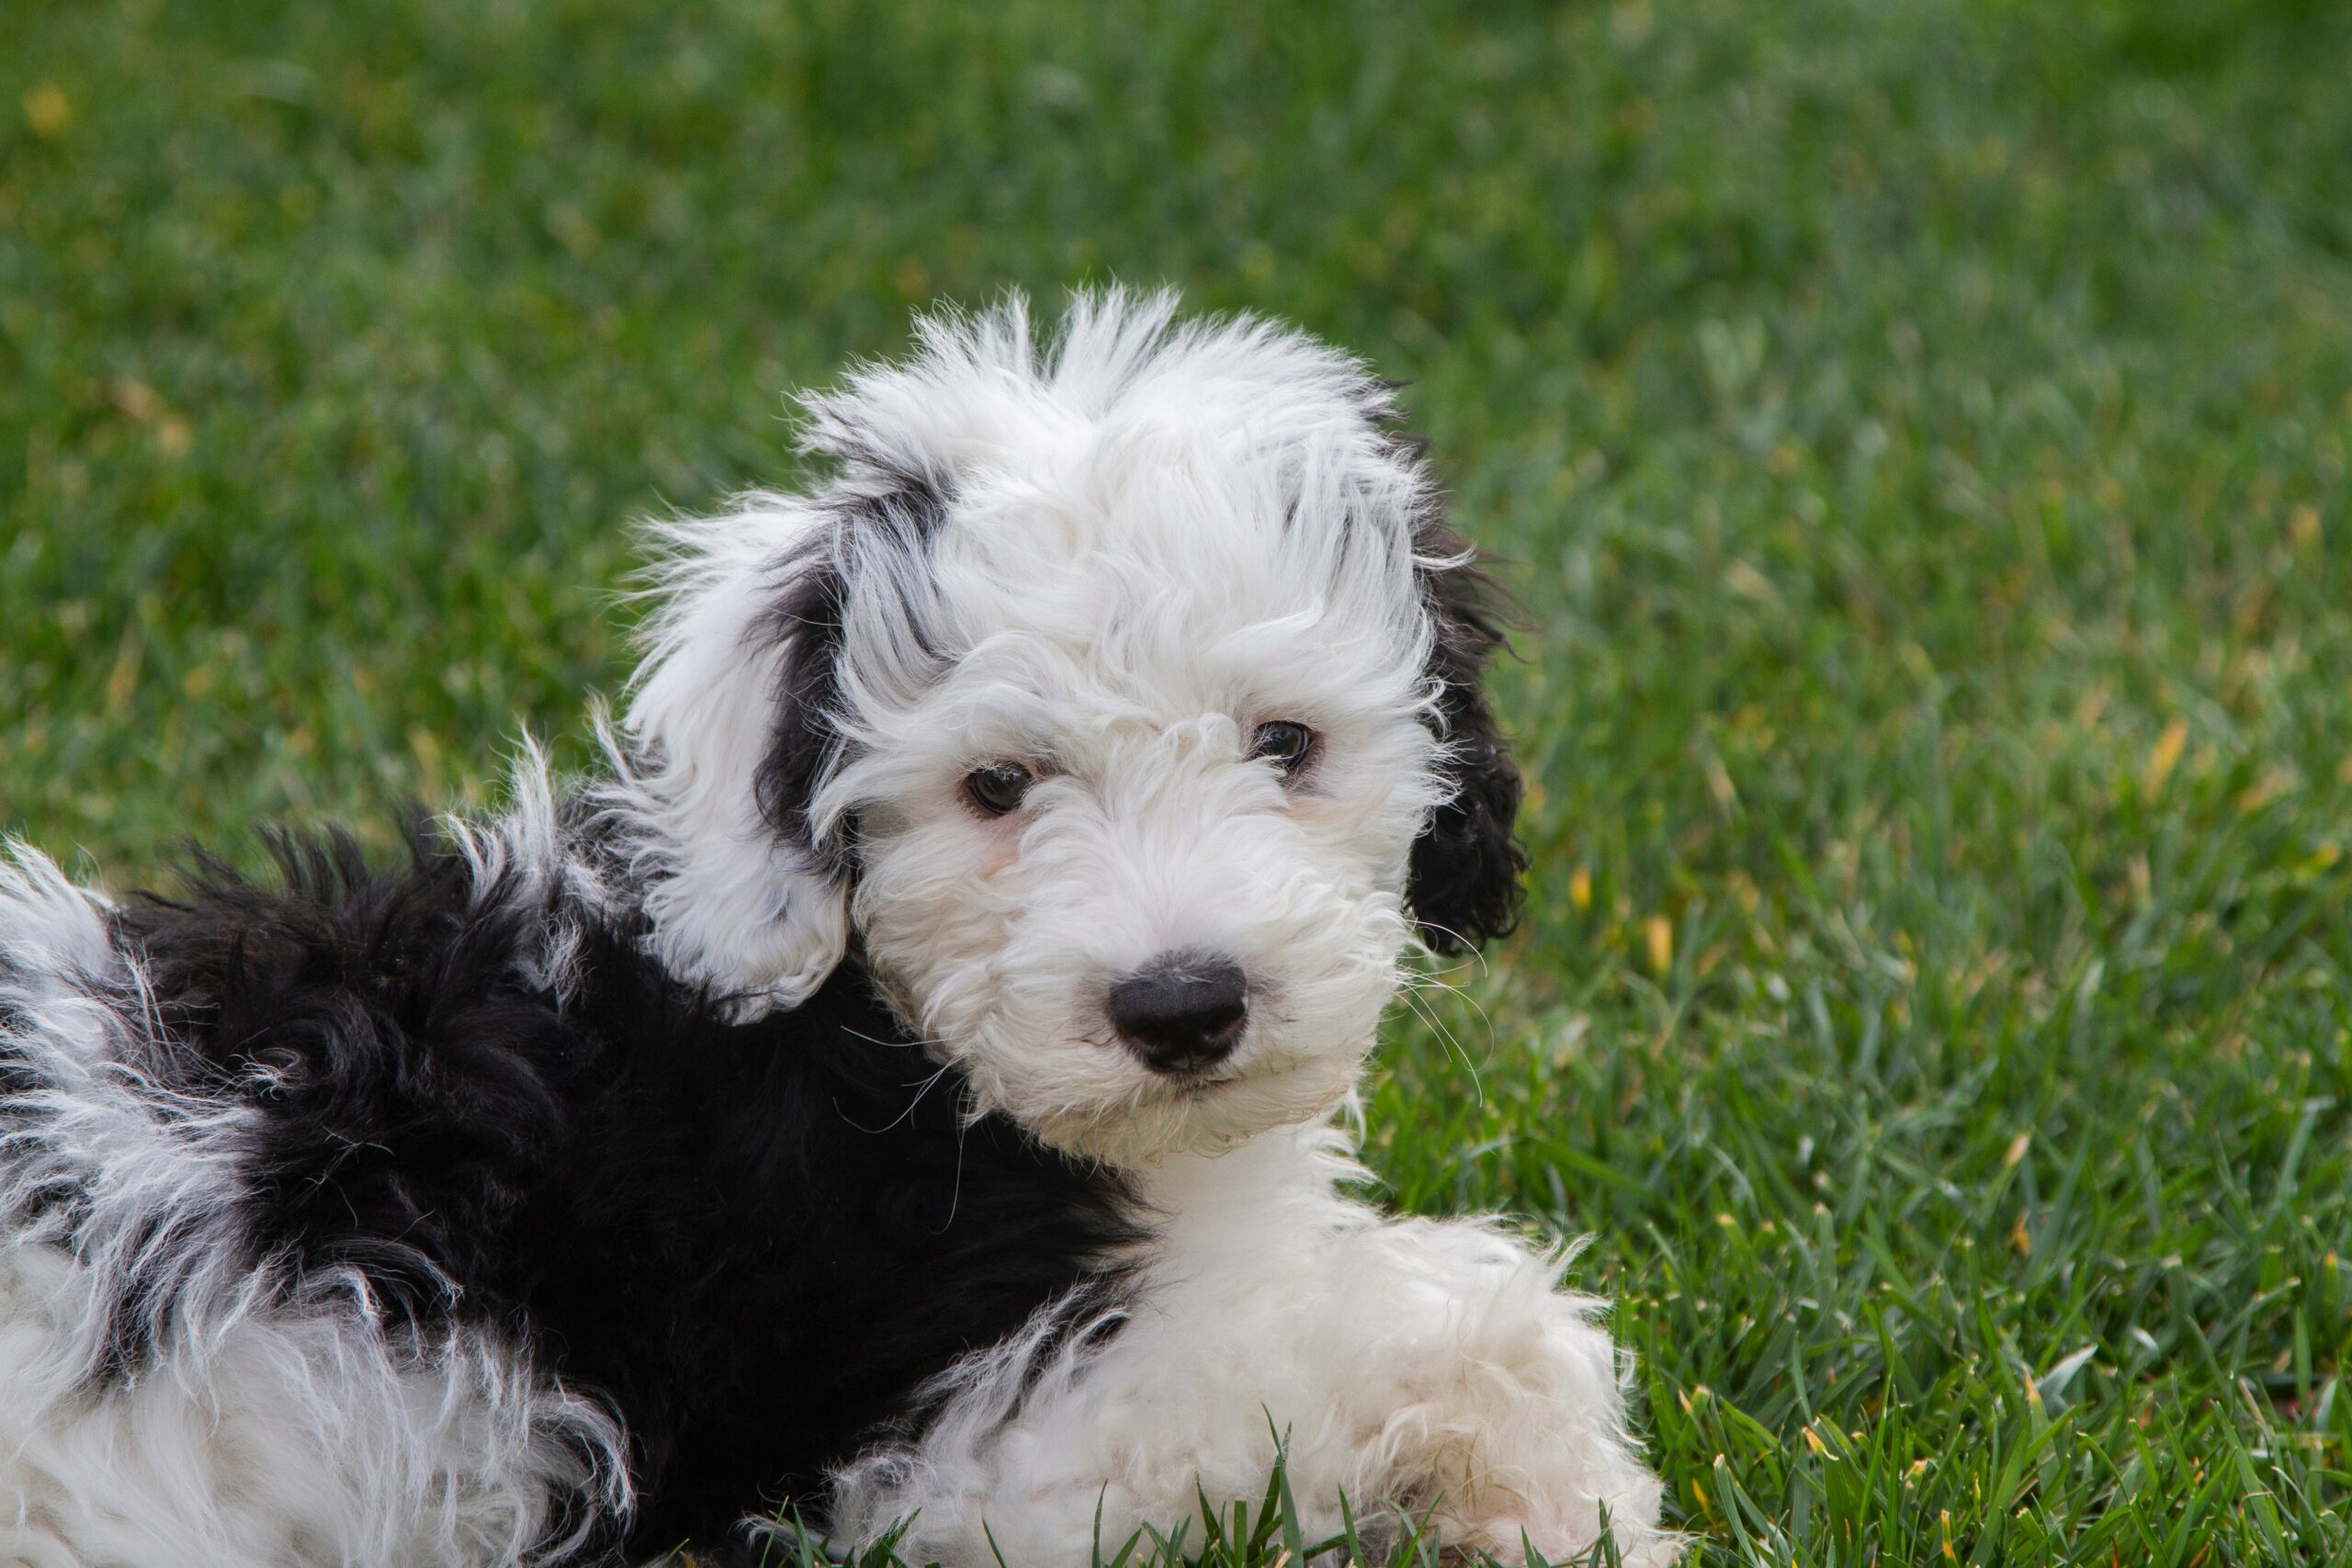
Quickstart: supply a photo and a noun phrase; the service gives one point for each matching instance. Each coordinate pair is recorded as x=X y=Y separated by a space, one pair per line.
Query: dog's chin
x=1204 y=1115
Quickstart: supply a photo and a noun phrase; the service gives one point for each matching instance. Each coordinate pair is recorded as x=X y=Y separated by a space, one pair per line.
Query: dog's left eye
x=998 y=788
x=1284 y=744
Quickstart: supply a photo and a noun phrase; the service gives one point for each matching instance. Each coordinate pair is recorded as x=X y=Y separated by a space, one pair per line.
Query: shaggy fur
x=755 y=1124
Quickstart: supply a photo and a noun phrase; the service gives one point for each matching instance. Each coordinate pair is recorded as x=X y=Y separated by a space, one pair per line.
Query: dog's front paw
x=1519 y=1448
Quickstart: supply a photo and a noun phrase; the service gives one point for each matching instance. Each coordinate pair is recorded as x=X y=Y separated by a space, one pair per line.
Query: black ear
x=1464 y=877
x=879 y=532
x=804 y=738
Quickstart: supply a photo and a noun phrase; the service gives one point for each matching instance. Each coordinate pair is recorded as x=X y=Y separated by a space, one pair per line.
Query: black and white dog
x=913 y=1085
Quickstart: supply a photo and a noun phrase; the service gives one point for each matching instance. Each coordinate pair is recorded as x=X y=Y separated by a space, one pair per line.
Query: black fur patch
x=892 y=522
x=1464 y=878
x=754 y=1242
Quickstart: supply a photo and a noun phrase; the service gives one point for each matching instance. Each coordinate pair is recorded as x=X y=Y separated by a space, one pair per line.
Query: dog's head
x=1117 y=700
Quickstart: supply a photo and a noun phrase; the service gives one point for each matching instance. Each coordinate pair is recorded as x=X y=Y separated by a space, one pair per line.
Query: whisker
x=1484 y=1017
x=1469 y=949
x=965 y=1117
x=1429 y=1016
x=878 y=1039
x=928 y=1084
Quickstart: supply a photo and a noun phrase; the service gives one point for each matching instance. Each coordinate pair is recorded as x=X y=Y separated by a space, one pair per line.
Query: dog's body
x=392 y=1256
x=905 y=1088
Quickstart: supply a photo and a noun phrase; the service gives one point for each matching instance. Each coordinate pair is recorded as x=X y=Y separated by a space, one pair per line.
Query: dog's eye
x=1284 y=744
x=998 y=788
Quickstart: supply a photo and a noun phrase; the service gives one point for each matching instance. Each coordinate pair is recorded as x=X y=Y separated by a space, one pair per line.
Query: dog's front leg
x=1465 y=1392
x=1424 y=1370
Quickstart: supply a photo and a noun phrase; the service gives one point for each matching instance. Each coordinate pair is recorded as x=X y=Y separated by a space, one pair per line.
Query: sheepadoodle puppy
x=910 y=1086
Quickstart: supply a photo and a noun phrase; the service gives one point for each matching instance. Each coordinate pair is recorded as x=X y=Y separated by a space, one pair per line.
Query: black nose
x=1184 y=1014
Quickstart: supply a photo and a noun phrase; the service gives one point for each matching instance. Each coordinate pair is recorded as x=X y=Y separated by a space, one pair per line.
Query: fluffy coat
x=749 y=1126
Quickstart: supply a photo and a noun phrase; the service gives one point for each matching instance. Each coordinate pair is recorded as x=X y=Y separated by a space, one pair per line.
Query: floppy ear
x=732 y=905
x=1464 y=882
x=735 y=727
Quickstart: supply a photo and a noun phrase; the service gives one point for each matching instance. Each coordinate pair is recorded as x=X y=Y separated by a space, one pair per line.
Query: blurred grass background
x=1918 y=430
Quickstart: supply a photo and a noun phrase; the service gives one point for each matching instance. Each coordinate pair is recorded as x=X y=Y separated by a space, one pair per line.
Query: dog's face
x=1135 y=853
x=1120 y=705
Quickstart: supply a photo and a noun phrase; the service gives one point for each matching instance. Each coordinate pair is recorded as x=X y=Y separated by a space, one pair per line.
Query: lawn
x=1918 y=432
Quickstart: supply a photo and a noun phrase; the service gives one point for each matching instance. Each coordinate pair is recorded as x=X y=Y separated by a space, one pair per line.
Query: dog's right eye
x=999 y=787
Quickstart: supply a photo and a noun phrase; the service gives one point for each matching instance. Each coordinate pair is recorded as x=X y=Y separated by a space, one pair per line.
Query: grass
x=1919 y=431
